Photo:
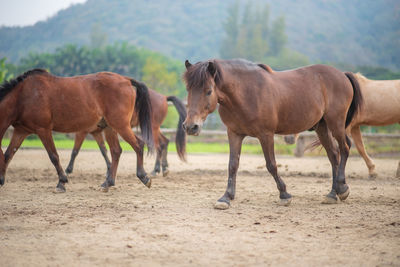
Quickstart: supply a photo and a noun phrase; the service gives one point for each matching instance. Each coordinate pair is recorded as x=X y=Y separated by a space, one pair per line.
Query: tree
x=254 y=39
x=98 y=38
x=231 y=27
x=156 y=76
x=278 y=38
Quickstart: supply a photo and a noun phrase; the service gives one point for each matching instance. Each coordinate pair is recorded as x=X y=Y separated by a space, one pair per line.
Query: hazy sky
x=28 y=12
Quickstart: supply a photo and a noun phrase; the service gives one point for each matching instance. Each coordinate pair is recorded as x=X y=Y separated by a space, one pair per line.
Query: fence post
x=300 y=147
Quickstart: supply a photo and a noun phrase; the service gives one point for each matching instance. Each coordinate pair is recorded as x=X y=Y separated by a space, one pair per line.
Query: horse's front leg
x=267 y=143
x=18 y=137
x=235 y=147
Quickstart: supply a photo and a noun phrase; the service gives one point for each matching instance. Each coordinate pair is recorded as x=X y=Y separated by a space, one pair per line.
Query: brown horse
x=381 y=107
x=37 y=102
x=256 y=101
x=159 y=106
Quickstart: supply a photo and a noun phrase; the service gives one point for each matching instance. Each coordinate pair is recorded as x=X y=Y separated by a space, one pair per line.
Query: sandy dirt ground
x=174 y=223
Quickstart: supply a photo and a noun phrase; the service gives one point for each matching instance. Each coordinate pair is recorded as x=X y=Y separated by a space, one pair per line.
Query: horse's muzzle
x=192 y=129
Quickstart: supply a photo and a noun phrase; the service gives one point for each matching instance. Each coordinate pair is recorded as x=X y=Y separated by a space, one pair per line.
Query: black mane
x=7 y=86
x=197 y=75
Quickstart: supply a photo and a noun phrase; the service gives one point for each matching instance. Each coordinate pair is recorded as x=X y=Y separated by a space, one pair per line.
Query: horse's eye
x=209 y=92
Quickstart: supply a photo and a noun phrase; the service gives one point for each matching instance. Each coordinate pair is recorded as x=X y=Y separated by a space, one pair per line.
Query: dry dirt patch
x=174 y=222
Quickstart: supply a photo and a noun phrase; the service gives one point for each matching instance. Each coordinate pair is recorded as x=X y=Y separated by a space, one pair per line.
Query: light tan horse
x=381 y=107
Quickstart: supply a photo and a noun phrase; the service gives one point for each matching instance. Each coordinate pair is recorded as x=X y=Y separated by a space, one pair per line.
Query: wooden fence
x=220 y=136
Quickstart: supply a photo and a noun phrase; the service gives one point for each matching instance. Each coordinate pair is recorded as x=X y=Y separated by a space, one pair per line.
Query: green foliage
x=4 y=70
x=157 y=71
x=254 y=39
x=172 y=118
x=157 y=77
x=359 y=32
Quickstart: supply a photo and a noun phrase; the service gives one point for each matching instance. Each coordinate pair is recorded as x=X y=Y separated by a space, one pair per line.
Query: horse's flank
x=381 y=102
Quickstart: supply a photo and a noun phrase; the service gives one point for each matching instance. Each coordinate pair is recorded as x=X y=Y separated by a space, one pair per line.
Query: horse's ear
x=187 y=64
x=211 y=68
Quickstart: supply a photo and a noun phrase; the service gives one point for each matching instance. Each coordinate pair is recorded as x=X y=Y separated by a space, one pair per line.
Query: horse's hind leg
x=327 y=142
x=17 y=138
x=79 y=138
x=341 y=188
x=356 y=134
x=267 y=143
x=137 y=144
x=116 y=150
x=47 y=140
x=164 y=152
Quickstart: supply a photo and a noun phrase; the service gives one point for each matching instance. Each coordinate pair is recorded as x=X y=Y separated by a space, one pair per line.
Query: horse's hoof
x=329 y=200
x=372 y=175
x=153 y=174
x=165 y=173
x=285 y=202
x=58 y=190
x=344 y=195
x=148 y=184
x=68 y=171
x=2 y=180
x=221 y=205
x=104 y=189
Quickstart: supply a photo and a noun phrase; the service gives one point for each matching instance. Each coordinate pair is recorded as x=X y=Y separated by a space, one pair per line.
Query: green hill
x=358 y=32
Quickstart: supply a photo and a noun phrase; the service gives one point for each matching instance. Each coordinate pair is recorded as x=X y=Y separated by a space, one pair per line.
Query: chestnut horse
x=256 y=101
x=159 y=106
x=37 y=102
x=381 y=107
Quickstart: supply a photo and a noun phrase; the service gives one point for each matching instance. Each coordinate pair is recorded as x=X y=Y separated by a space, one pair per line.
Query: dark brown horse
x=159 y=106
x=256 y=101
x=38 y=103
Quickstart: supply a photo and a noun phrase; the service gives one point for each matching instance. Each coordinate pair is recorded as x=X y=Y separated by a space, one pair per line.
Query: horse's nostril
x=195 y=127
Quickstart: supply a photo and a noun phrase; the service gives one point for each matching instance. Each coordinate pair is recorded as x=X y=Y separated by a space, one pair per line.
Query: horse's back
x=70 y=104
x=381 y=102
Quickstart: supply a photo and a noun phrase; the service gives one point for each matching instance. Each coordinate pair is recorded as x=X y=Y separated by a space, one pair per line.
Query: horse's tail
x=143 y=109
x=180 y=138
x=357 y=101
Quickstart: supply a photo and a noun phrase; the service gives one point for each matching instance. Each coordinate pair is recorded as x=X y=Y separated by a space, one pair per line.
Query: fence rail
x=303 y=137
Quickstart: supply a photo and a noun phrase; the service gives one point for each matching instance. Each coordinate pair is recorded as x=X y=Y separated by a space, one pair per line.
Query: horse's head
x=201 y=82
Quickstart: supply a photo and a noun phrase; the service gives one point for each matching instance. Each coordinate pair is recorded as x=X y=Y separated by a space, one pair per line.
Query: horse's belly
x=298 y=122
x=75 y=122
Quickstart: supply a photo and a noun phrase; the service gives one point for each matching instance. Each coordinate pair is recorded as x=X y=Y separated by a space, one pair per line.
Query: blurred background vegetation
x=149 y=40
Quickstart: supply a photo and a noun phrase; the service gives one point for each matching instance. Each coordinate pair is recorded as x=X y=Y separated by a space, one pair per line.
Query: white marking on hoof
x=148 y=184
x=220 y=205
x=285 y=202
x=329 y=200
x=344 y=195
x=58 y=190
x=103 y=189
